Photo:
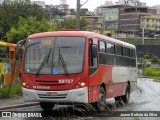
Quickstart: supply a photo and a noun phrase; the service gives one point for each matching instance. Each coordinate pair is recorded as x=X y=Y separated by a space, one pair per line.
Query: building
x=64 y=7
x=1 y=1
x=8 y=1
x=48 y=7
x=157 y=7
x=113 y=14
x=99 y=10
x=111 y=18
x=40 y=3
x=130 y=17
x=151 y=24
x=96 y=23
x=131 y=3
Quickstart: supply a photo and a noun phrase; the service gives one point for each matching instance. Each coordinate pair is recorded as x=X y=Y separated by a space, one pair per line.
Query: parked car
x=143 y=63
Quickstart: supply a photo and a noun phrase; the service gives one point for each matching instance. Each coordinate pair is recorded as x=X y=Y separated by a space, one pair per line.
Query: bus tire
x=101 y=104
x=1 y=81
x=47 y=106
x=118 y=100
x=126 y=97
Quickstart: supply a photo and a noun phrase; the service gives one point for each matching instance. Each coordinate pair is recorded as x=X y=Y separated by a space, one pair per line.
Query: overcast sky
x=92 y=4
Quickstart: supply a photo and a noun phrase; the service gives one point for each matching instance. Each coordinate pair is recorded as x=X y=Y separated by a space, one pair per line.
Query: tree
x=54 y=12
x=26 y=27
x=72 y=11
x=10 y=13
x=83 y=11
x=70 y=23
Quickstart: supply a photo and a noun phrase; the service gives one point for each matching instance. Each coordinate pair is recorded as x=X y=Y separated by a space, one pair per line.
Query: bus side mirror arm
x=21 y=43
x=20 y=49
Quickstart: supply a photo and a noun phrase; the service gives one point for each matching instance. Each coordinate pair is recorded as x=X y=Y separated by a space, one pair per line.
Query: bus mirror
x=19 y=53
x=19 y=49
x=21 y=43
x=94 y=51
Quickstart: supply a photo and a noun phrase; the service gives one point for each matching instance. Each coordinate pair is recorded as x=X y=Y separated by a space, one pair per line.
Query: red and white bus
x=77 y=67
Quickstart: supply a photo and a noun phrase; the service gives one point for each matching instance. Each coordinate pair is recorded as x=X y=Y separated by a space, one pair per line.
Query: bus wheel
x=126 y=97
x=1 y=81
x=101 y=104
x=47 y=106
x=118 y=100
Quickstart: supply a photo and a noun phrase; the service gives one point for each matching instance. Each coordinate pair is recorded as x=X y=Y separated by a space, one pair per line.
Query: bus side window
x=93 y=54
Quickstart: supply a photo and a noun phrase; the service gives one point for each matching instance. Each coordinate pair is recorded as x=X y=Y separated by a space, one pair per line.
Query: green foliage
x=158 y=78
x=26 y=27
x=72 y=12
x=83 y=11
x=10 y=13
x=155 y=59
x=83 y=24
x=16 y=89
x=146 y=56
x=141 y=63
x=154 y=72
x=70 y=23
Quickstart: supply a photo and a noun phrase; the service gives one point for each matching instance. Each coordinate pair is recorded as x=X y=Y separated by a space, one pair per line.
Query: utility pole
x=78 y=15
x=143 y=34
x=143 y=30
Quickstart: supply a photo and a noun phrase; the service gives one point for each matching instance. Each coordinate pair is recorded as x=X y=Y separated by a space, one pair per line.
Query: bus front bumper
x=68 y=96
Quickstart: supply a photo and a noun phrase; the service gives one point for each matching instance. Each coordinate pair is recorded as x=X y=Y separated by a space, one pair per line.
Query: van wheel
x=101 y=104
x=47 y=106
x=1 y=81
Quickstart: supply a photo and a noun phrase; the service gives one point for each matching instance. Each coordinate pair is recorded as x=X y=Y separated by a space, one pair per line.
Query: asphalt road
x=145 y=98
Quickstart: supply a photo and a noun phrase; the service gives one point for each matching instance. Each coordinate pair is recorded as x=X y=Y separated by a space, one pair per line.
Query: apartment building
x=151 y=24
x=130 y=17
x=96 y=22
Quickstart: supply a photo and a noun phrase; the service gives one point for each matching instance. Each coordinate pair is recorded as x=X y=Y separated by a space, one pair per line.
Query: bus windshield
x=55 y=55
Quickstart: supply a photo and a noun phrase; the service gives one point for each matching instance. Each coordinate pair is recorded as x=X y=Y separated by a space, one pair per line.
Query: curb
x=19 y=105
x=147 y=77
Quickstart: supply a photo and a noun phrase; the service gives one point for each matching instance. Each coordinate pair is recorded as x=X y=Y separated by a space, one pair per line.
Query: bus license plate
x=51 y=93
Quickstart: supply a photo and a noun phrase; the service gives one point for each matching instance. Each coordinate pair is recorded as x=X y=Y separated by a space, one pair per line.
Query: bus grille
x=49 y=83
x=60 y=96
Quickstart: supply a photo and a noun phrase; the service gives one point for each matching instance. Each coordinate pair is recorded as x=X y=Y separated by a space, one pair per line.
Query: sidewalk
x=10 y=103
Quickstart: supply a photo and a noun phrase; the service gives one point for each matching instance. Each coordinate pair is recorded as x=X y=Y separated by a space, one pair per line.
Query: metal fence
x=152 y=50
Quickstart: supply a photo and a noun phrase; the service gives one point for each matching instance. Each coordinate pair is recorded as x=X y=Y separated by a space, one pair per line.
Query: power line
x=92 y=5
x=84 y=3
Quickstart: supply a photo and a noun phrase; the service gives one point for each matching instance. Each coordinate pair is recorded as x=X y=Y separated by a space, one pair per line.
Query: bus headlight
x=83 y=84
x=80 y=84
x=23 y=84
x=26 y=85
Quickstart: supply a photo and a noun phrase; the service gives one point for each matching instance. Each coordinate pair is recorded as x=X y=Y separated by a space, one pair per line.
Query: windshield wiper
x=45 y=60
x=62 y=61
x=63 y=64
